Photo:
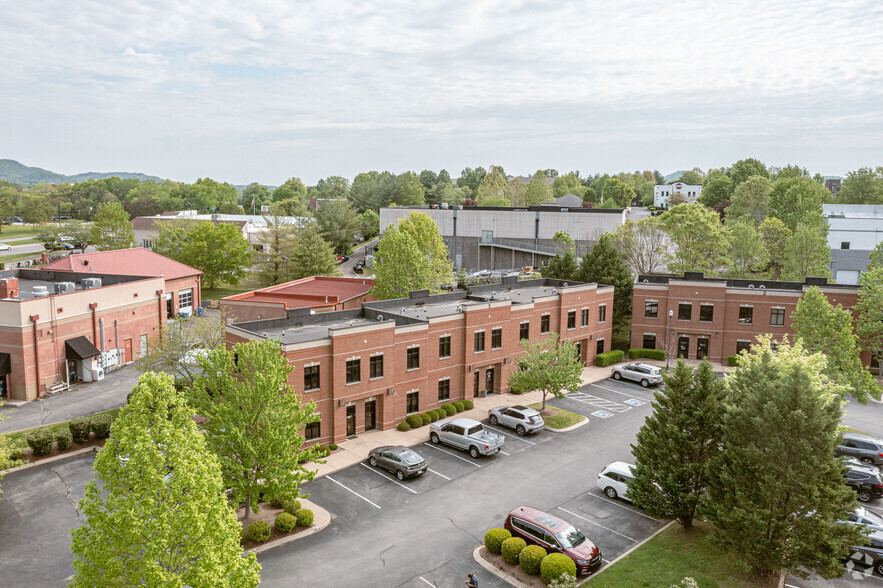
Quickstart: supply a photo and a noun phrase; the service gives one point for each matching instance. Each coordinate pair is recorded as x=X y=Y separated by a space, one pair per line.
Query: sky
x=266 y=90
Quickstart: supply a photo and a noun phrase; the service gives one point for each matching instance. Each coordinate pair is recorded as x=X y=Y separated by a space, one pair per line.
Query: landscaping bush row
x=532 y=558
x=41 y=440
x=415 y=421
x=609 y=358
x=646 y=353
x=285 y=522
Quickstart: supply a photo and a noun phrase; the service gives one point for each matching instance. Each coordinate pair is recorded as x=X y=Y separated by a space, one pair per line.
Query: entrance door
x=475 y=384
x=370 y=415
x=170 y=306
x=683 y=346
x=350 y=420
x=701 y=347
x=490 y=380
x=127 y=347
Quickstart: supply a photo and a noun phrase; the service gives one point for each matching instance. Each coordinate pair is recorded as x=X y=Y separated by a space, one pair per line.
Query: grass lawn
x=561 y=419
x=673 y=555
x=222 y=291
x=7 y=231
x=20 y=256
x=846 y=429
x=19 y=438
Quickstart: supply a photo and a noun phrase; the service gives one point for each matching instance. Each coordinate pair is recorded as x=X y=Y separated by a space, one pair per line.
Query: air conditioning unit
x=40 y=291
x=97 y=374
x=89 y=283
x=64 y=287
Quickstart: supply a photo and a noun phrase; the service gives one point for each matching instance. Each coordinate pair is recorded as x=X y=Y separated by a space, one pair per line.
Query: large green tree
x=618 y=193
x=700 y=242
x=493 y=186
x=604 y=264
x=309 y=254
x=750 y=200
x=471 y=178
x=797 y=200
x=111 y=228
x=254 y=421
x=550 y=365
x=776 y=494
x=827 y=329
x=256 y=193
x=159 y=516
x=332 y=188
x=862 y=186
x=806 y=253
x=869 y=312
x=717 y=191
x=275 y=241
x=291 y=189
x=644 y=244
x=775 y=237
x=400 y=265
x=675 y=443
x=564 y=265
x=339 y=223
x=745 y=168
x=176 y=347
x=539 y=190
x=218 y=250
x=748 y=254
x=424 y=232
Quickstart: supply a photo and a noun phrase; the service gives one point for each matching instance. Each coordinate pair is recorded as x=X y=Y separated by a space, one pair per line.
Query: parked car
x=868 y=556
x=5 y=247
x=358 y=268
x=342 y=258
x=644 y=373
x=466 y=434
x=555 y=536
x=868 y=518
x=398 y=460
x=864 y=447
x=866 y=481
x=615 y=478
x=523 y=419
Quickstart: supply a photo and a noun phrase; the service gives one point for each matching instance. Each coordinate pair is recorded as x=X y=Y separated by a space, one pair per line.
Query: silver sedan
x=644 y=373
x=521 y=418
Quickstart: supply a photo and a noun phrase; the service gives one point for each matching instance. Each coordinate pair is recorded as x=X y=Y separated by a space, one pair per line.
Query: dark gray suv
x=864 y=447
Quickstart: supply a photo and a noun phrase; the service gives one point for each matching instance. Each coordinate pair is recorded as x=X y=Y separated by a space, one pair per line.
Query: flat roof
x=309 y=292
x=31 y=281
x=743 y=283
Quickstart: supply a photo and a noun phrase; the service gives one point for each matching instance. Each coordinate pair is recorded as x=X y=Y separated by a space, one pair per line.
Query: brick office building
x=370 y=367
x=717 y=317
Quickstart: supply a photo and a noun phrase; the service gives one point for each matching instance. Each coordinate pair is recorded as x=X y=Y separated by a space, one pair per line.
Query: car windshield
x=410 y=457
x=570 y=537
x=475 y=430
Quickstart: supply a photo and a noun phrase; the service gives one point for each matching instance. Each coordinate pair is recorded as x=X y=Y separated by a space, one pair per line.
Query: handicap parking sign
x=634 y=402
x=603 y=414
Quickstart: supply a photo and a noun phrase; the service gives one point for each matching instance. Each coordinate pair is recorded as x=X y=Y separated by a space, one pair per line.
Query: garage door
x=185 y=301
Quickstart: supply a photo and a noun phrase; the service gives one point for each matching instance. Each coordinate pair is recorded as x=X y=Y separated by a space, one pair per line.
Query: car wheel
x=879 y=567
x=864 y=496
x=434 y=438
x=493 y=419
x=617 y=376
x=400 y=475
x=520 y=430
x=868 y=460
x=645 y=383
x=610 y=491
x=473 y=451
x=373 y=461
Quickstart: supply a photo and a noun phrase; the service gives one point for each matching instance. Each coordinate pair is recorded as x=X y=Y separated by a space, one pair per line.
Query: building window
x=742 y=346
x=599 y=346
x=353 y=371
x=685 y=311
x=478 y=345
x=584 y=317
x=496 y=338
x=777 y=317
x=571 y=319
x=311 y=377
x=185 y=299
x=147 y=244
x=444 y=347
x=544 y=323
x=524 y=331
x=375 y=366
x=444 y=390
x=413 y=403
x=746 y=315
x=844 y=245
x=706 y=313
x=413 y=358
x=649 y=342
x=651 y=309
x=312 y=431
x=602 y=313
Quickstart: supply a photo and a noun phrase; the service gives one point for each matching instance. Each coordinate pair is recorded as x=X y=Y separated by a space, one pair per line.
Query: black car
x=399 y=460
x=866 y=481
x=864 y=447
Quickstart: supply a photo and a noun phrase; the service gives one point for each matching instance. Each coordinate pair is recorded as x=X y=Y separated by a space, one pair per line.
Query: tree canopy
x=604 y=264
x=700 y=242
x=218 y=250
x=111 y=228
x=806 y=253
x=411 y=256
x=550 y=365
x=564 y=265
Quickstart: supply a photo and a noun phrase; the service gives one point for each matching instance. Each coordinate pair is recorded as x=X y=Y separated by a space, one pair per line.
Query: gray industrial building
x=488 y=237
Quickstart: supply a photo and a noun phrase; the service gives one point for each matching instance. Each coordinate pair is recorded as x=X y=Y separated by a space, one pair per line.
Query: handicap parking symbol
x=602 y=414
x=634 y=402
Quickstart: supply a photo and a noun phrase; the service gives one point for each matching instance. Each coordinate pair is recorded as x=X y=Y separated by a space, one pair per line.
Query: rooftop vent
x=554 y=290
x=565 y=285
x=89 y=283
x=459 y=308
x=64 y=287
x=379 y=318
x=762 y=287
x=40 y=291
x=751 y=286
x=645 y=281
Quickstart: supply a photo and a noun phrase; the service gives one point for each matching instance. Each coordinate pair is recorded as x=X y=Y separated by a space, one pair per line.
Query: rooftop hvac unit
x=64 y=287
x=89 y=283
x=40 y=291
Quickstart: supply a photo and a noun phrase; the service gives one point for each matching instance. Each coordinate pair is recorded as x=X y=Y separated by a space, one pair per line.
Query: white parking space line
x=452 y=455
x=504 y=453
x=614 y=503
x=597 y=525
x=510 y=436
x=351 y=490
x=427 y=581
x=622 y=393
x=438 y=474
x=598 y=402
x=370 y=469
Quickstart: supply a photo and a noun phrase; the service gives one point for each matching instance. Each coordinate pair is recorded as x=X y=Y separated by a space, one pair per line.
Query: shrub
x=403 y=426
x=433 y=416
x=285 y=522
x=332 y=446
x=291 y=507
x=647 y=353
x=277 y=502
x=449 y=409
x=63 y=437
x=494 y=538
x=259 y=531
x=568 y=581
x=732 y=360
x=16 y=454
x=129 y=397
x=426 y=418
x=441 y=413
x=530 y=558
x=468 y=404
x=555 y=565
x=609 y=358
x=458 y=405
x=511 y=548
x=41 y=441
x=305 y=518
x=101 y=425
x=415 y=421
x=79 y=429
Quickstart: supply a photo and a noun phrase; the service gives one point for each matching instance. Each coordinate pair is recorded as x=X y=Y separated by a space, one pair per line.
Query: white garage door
x=847 y=276
x=185 y=301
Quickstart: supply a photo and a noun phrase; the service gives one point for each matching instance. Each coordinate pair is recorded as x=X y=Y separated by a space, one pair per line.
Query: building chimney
x=9 y=288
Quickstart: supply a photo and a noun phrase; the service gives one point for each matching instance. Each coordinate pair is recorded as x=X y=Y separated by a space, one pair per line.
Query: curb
x=582 y=423
x=874 y=400
x=476 y=555
x=84 y=450
x=633 y=548
x=303 y=534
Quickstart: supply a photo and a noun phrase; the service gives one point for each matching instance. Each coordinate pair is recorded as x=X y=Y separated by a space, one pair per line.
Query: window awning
x=5 y=364
x=80 y=348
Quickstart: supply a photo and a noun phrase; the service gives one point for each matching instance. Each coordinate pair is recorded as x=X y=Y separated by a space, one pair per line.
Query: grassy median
x=558 y=418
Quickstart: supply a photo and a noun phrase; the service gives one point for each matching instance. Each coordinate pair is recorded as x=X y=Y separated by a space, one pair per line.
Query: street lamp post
x=667 y=342
x=285 y=259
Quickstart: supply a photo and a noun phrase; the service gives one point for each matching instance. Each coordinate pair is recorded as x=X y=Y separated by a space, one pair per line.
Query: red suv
x=555 y=536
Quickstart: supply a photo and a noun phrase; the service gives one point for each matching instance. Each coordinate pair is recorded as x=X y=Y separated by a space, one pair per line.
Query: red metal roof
x=124 y=262
x=314 y=291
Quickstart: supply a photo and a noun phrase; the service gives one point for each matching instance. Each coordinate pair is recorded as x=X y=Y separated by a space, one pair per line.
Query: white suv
x=614 y=479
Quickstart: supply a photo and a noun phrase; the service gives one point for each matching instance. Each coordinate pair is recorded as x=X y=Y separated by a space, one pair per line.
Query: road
x=346 y=268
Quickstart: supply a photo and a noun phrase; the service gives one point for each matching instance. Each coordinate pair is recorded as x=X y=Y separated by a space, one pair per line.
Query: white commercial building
x=662 y=193
x=853 y=232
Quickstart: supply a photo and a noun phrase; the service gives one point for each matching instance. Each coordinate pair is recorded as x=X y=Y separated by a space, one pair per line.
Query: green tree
x=719 y=189
x=795 y=200
x=869 y=313
x=205 y=195
x=254 y=421
x=159 y=516
x=175 y=349
x=424 y=232
x=644 y=245
x=111 y=228
x=876 y=256
x=699 y=240
x=218 y=250
x=775 y=236
x=604 y=265
x=538 y=190
x=564 y=265
x=618 y=193
x=750 y=200
x=790 y=171
x=567 y=184
x=471 y=178
x=339 y=223
x=233 y=208
x=493 y=185
x=550 y=365
x=827 y=329
x=290 y=207
x=862 y=186
x=692 y=177
x=370 y=224
x=745 y=168
x=292 y=189
x=748 y=254
x=495 y=200
x=410 y=191
x=517 y=192
x=34 y=209
x=806 y=254
x=782 y=511
x=310 y=255
x=676 y=442
x=399 y=265
x=275 y=241
x=257 y=193
x=332 y=188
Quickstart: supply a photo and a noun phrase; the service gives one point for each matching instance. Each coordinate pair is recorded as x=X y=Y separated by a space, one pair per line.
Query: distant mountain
x=17 y=173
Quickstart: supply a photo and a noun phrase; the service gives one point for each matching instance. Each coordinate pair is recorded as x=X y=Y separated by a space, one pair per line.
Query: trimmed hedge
x=403 y=426
x=285 y=522
x=80 y=429
x=468 y=404
x=458 y=405
x=259 y=531
x=512 y=548
x=609 y=358
x=433 y=416
x=647 y=353
x=731 y=360
x=291 y=507
x=425 y=418
x=63 y=437
x=101 y=425
x=332 y=446
x=414 y=421
x=530 y=558
x=305 y=518
x=449 y=409
x=41 y=441
x=441 y=413
x=555 y=565
x=277 y=503
x=494 y=538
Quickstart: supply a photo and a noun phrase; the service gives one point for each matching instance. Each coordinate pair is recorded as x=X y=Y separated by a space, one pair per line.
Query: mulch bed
x=268 y=514
x=29 y=457
x=515 y=571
